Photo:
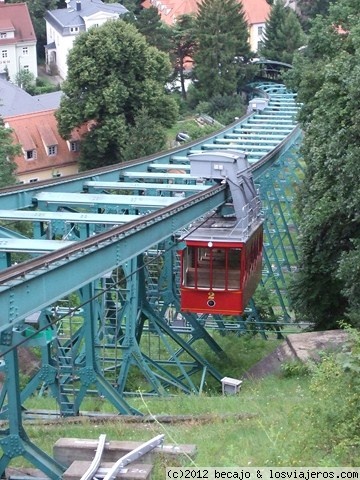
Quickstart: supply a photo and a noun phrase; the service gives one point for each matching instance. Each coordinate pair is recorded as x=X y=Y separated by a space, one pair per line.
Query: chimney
x=78 y=5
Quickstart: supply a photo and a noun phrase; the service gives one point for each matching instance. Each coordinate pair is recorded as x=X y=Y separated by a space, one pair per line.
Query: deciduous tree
x=310 y=8
x=8 y=151
x=327 y=79
x=114 y=78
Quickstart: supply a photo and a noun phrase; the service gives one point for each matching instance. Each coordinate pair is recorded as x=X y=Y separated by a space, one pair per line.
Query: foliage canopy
x=283 y=34
x=223 y=47
x=114 y=79
x=327 y=78
x=8 y=150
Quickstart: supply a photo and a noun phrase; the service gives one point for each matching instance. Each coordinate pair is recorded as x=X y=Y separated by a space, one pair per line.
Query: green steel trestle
x=113 y=310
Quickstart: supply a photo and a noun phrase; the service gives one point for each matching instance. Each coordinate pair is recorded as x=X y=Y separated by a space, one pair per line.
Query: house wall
x=64 y=41
x=30 y=177
x=16 y=57
x=99 y=19
x=17 y=40
x=256 y=35
x=62 y=51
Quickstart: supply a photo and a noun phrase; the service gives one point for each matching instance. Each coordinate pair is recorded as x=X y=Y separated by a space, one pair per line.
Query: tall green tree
x=183 y=43
x=145 y=137
x=223 y=47
x=310 y=8
x=283 y=34
x=8 y=151
x=114 y=78
x=327 y=79
x=148 y=22
x=133 y=6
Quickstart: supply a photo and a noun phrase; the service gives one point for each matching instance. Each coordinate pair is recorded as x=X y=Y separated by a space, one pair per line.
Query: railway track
x=275 y=124
x=92 y=223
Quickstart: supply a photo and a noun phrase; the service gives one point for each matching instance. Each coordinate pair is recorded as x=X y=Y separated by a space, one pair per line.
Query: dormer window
x=3 y=35
x=74 y=29
x=30 y=155
x=52 y=150
x=74 y=146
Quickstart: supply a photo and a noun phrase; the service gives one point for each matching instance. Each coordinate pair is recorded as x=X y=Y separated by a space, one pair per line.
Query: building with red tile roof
x=17 y=40
x=256 y=13
x=44 y=153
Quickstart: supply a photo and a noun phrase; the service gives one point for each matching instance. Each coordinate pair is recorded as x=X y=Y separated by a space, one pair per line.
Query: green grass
x=264 y=425
x=268 y=423
x=192 y=128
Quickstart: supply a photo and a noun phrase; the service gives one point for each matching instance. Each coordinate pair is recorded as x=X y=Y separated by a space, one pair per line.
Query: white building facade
x=17 y=41
x=64 y=25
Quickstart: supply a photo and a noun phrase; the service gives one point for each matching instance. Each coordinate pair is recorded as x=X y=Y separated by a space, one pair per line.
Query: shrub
x=295 y=369
x=335 y=412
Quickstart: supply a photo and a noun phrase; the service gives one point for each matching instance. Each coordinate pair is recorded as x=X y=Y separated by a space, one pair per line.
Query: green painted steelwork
x=124 y=306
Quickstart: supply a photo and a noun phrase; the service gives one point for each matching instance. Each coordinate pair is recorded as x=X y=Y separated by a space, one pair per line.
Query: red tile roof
x=16 y=17
x=256 y=11
x=39 y=131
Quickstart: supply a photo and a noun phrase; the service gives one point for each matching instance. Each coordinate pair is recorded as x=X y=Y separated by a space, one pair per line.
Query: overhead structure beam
x=134 y=201
x=161 y=187
x=43 y=283
x=31 y=246
x=39 y=216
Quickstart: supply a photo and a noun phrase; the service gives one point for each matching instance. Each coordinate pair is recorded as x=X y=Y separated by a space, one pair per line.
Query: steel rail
x=21 y=270
x=94 y=466
x=23 y=189
x=133 y=455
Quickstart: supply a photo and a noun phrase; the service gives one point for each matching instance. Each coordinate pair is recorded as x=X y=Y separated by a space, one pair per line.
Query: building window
x=52 y=150
x=30 y=155
x=3 y=35
x=260 y=31
x=26 y=68
x=74 y=29
x=33 y=180
x=74 y=146
x=25 y=51
x=56 y=175
x=4 y=53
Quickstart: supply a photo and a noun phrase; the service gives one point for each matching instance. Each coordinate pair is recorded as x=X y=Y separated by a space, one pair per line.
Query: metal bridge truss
x=98 y=294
